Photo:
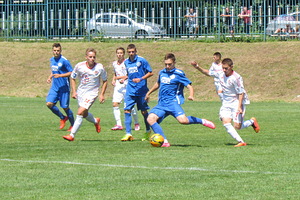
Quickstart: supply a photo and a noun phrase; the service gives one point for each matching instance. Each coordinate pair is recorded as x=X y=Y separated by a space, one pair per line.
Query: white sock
x=117 y=114
x=135 y=116
x=234 y=134
x=247 y=123
x=90 y=118
x=76 y=125
x=166 y=141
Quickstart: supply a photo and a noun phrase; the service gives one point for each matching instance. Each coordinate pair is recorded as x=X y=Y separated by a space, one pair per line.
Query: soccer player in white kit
x=234 y=100
x=119 y=81
x=89 y=74
x=216 y=67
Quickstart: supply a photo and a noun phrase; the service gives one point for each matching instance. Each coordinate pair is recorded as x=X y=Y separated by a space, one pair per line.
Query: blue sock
x=70 y=116
x=56 y=111
x=146 y=122
x=128 y=122
x=194 y=120
x=157 y=129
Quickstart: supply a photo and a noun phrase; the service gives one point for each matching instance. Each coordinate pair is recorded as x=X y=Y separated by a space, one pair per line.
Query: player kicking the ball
x=171 y=82
x=89 y=73
x=234 y=100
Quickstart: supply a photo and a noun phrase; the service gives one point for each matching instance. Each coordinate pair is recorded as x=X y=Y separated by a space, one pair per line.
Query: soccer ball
x=156 y=140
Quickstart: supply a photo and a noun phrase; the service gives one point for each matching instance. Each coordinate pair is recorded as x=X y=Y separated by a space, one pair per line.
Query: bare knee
x=152 y=119
x=237 y=126
x=182 y=119
x=49 y=104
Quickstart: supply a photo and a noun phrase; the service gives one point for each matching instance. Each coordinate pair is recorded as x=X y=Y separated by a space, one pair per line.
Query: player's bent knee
x=49 y=104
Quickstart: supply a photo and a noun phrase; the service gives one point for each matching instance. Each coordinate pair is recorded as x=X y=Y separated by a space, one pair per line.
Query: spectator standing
x=246 y=16
x=191 y=21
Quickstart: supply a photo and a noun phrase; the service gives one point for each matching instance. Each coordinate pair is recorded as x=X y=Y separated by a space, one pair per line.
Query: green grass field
x=36 y=163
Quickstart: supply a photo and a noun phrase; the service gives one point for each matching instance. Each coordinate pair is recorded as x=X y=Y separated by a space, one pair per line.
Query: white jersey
x=120 y=70
x=232 y=86
x=215 y=68
x=89 y=78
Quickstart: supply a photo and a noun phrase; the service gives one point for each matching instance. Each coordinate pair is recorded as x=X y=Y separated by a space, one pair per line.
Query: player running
x=234 y=100
x=89 y=74
x=61 y=69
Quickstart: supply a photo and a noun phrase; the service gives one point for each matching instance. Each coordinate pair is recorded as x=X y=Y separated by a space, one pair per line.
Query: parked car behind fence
x=281 y=22
x=123 y=25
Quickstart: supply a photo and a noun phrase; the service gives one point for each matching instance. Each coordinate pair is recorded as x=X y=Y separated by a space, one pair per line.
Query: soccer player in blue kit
x=171 y=82
x=138 y=70
x=61 y=69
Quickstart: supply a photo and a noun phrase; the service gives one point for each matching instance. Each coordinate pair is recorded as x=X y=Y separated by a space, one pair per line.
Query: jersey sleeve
x=182 y=78
x=68 y=66
x=147 y=67
x=74 y=73
x=103 y=74
x=239 y=85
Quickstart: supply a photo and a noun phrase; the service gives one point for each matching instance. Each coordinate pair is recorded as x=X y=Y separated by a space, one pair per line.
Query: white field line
x=144 y=167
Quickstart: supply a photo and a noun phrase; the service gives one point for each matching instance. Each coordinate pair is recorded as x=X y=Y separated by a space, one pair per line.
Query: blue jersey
x=171 y=86
x=60 y=66
x=137 y=69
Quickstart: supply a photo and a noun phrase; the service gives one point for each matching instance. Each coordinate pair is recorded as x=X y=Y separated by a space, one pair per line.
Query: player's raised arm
x=202 y=70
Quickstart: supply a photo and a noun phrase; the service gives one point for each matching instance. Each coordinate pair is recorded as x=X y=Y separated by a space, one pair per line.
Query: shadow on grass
x=185 y=145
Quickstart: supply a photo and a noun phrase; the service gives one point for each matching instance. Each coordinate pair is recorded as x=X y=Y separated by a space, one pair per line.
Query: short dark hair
x=131 y=46
x=218 y=54
x=56 y=45
x=120 y=48
x=227 y=61
x=170 y=56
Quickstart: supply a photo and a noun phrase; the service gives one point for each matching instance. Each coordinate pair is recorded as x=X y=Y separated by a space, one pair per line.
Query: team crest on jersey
x=138 y=64
x=60 y=64
x=54 y=68
x=132 y=70
x=172 y=76
x=165 y=80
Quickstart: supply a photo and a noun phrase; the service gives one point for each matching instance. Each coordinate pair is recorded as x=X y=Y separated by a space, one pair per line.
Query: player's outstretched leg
x=204 y=122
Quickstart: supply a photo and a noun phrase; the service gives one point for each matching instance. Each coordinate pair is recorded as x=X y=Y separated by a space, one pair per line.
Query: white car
x=281 y=21
x=122 y=25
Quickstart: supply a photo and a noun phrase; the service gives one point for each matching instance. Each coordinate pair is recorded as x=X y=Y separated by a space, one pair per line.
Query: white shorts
x=86 y=99
x=119 y=93
x=231 y=112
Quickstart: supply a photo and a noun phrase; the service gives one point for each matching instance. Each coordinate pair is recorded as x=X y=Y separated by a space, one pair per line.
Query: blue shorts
x=62 y=97
x=162 y=111
x=140 y=101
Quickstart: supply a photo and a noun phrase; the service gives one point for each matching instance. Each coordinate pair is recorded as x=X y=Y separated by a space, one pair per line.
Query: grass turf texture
x=36 y=163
